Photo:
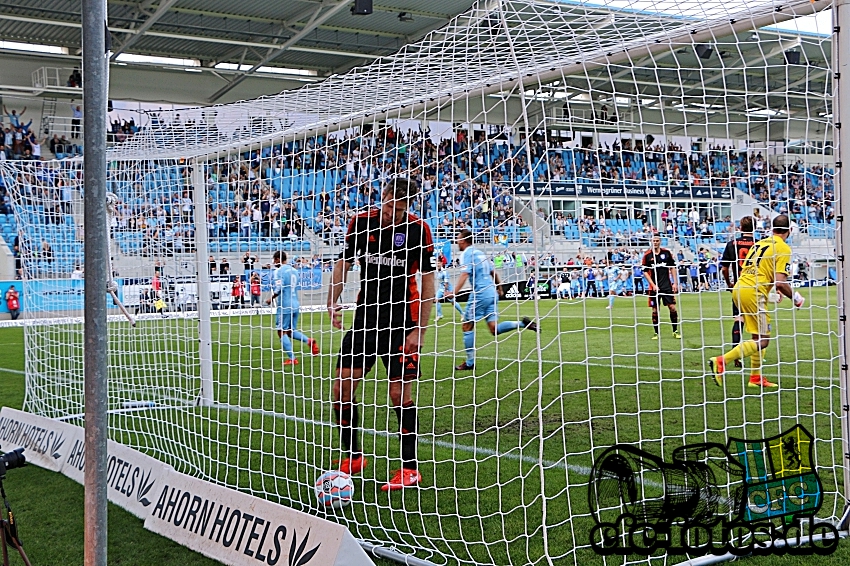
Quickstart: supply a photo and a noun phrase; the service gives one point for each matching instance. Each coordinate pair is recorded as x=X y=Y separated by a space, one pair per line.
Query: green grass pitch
x=499 y=447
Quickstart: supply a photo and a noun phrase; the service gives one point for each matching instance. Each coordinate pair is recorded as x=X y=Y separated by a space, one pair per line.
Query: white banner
x=46 y=442
x=132 y=477
x=240 y=529
x=226 y=525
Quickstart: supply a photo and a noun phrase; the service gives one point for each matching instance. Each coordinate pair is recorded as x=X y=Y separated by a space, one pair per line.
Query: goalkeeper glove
x=798 y=299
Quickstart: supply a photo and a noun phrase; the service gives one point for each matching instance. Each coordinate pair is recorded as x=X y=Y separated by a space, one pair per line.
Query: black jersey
x=735 y=253
x=389 y=259
x=658 y=266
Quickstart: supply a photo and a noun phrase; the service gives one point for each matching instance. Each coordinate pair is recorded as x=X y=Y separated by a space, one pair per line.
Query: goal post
x=564 y=136
x=841 y=92
x=202 y=273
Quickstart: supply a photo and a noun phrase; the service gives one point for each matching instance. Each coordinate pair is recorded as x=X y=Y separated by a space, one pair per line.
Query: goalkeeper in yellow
x=767 y=266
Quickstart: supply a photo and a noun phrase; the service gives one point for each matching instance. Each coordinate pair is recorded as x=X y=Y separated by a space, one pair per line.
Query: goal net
x=564 y=137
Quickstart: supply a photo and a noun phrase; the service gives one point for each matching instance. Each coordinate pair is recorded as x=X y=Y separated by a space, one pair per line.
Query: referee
x=391 y=246
x=730 y=266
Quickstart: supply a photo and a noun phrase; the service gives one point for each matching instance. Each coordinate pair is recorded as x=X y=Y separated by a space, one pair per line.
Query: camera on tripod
x=12 y=460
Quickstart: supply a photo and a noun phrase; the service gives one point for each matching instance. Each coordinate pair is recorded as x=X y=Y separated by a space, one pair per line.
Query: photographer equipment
x=8 y=526
x=12 y=460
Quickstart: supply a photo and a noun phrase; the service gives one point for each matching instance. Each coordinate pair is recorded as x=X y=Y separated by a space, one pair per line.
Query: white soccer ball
x=334 y=489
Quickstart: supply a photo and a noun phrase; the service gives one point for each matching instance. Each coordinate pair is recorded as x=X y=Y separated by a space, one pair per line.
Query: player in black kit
x=730 y=266
x=659 y=269
x=391 y=247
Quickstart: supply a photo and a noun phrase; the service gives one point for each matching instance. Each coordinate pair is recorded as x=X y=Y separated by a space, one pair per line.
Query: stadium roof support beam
x=444 y=20
x=161 y=10
x=816 y=74
x=781 y=48
x=219 y=40
x=317 y=18
x=257 y=19
x=712 y=91
x=629 y=70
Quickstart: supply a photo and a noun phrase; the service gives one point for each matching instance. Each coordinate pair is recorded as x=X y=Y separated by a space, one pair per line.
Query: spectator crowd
x=468 y=179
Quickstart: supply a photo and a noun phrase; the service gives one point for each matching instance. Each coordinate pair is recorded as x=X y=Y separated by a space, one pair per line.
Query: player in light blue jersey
x=614 y=284
x=444 y=287
x=576 y=289
x=483 y=300
x=285 y=290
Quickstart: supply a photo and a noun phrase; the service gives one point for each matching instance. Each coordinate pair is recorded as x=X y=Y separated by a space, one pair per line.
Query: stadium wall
x=7 y=261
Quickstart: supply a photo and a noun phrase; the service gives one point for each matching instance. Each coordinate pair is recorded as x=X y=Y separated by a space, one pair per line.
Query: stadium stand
x=267 y=198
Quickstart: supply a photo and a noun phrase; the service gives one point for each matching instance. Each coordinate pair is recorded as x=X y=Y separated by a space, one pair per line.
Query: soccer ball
x=334 y=489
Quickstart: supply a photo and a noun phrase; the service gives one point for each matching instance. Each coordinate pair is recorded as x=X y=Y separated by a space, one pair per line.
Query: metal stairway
x=48 y=114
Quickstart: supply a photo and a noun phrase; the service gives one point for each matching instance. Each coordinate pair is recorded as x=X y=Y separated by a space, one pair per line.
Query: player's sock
x=469 y=344
x=300 y=336
x=506 y=326
x=348 y=419
x=286 y=344
x=742 y=350
x=736 y=332
x=674 y=319
x=755 y=362
x=655 y=320
x=439 y=308
x=409 y=423
x=610 y=300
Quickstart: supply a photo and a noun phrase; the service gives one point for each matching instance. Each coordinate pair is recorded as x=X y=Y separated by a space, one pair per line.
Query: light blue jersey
x=613 y=276
x=444 y=283
x=285 y=281
x=480 y=271
x=482 y=300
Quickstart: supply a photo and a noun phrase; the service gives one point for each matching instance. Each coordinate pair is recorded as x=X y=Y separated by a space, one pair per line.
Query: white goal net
x=565 y=138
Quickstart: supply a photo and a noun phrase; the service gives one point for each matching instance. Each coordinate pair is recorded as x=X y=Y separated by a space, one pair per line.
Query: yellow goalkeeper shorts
x=753 y=308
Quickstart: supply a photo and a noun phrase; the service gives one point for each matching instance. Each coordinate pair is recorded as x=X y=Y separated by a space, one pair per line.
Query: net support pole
x=202 y=250
x=95 y=85
x=841 y=112
x=529 y=131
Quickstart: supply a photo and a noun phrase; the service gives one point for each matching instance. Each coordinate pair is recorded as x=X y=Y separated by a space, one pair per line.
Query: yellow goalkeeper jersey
x=766 y=258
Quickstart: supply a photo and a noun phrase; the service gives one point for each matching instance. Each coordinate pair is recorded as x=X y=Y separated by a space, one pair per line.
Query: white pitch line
x=642 y=368
x=477 y=450
x=691 y=372
x=15 y=371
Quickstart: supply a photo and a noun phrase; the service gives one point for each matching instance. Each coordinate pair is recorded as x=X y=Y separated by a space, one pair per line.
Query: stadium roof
x=500 y=45
x=318 y=35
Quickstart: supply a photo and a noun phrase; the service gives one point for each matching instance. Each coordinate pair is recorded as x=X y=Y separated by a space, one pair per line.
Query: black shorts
x=361 y=348
x=665 y=296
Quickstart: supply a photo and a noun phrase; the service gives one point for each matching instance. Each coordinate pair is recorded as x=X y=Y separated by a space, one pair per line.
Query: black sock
x=655 y=320
x=348 y=419
x=736 y=332
x=409 y=424
x=674 y=318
